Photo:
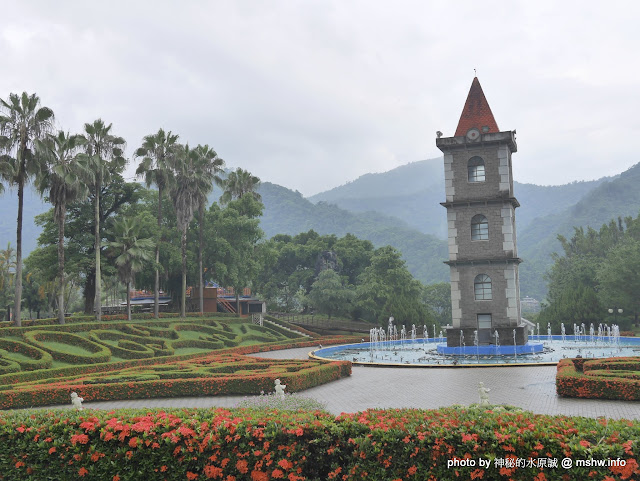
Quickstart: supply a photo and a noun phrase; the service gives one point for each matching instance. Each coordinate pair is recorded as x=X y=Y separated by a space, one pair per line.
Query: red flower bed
x=613 y=378
x=252 y=445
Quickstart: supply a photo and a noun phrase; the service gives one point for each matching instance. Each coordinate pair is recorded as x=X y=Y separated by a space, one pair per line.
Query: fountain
x=387 y=347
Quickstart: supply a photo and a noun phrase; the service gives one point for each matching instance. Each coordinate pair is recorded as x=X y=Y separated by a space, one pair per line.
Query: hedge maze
x=612 y=378
x=127 y=360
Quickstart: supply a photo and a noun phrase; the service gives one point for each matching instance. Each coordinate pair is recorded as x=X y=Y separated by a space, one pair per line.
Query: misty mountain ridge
x=402 y=208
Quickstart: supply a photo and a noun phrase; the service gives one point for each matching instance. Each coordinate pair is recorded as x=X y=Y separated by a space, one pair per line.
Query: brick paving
x=531 y=388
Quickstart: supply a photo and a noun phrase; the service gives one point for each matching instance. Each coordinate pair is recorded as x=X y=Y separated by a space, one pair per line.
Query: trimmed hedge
x=7 y=365
x=377 y=445
x=612 y=378
x=148 y=346
x=247 y=377
x=40 y=359
x=99 y=353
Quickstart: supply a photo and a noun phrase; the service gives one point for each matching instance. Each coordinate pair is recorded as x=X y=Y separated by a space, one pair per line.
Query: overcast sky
x=312 y=94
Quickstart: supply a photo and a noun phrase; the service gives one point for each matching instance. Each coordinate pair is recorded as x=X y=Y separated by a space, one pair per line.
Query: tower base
x=505 y=336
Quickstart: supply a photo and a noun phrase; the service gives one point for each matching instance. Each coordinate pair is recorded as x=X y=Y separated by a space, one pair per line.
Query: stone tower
x=483 y=257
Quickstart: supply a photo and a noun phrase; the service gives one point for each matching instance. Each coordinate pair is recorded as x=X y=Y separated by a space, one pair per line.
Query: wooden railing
x=322 y=322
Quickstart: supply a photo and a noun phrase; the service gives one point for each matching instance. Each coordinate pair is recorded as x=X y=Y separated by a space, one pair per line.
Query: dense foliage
x=613 y=378
x=239 y=444
x=598 y=272
x=366 y=283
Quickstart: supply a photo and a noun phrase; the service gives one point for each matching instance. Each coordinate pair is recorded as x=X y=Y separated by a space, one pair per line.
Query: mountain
x=413 y=193
x=610 y=199
x=33 y=205
x=287 y=212
x=402 y=208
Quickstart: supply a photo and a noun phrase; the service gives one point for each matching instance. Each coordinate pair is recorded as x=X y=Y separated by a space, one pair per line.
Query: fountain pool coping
x=317 y=354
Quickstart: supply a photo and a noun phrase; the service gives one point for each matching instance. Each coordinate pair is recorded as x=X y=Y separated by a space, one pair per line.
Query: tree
x=388 y=289
x=64 y=178
x=208 y=166
x=131 y=251
x=157 y=152
x=437 y=297
x=239 y=183
x=329 y=294
x=22 y=122
x=104 y=151
x=7 y=274
x=618 y=277
x=233 y=234
x=185 y=196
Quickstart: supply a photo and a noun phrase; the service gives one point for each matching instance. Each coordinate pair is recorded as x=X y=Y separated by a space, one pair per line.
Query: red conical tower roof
x=476 y=112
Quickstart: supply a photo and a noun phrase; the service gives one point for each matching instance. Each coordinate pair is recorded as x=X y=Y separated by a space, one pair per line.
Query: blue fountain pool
x=429 y=352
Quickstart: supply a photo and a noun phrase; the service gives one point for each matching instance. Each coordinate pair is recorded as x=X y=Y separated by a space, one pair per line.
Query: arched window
x=482 y=287
x=479 y=228
x=475 y=168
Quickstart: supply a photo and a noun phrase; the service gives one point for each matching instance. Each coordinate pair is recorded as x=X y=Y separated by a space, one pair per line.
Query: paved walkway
x=531 y=388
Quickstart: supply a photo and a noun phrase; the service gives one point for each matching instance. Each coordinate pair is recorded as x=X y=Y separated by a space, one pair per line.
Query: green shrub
x=38 y=358
x=250 y=444
x=7 y=365
x=611 y=378
x=43 y=340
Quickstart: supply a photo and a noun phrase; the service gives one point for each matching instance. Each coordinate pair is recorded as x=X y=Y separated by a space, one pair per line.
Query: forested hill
x=287 y=212
x=33 y=205
x=413 y=193
x=618 y=197
x=409 y=178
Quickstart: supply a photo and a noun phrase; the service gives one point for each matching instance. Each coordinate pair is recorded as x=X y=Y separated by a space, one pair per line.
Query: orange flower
x=242 y=466
x=259 y=476
x=191 y=475
x=212 y=471
x=477 y=474
x=116 y=478
x=82 y=472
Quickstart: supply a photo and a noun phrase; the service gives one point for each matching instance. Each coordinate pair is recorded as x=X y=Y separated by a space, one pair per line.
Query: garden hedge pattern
x=611 y=378
x=377 y=445
x=211 y=375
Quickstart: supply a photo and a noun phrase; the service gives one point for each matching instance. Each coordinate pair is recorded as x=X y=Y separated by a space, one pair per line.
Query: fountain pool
x=430 y=352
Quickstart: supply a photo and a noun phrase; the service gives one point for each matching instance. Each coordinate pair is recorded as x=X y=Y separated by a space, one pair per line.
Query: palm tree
x=185 y=195
x=105 y=152
x=208 y=166
x=22 y=122
x=64 y=180
x=237 y=184
x=7 y=270
x=132 y=252
x=157 y=151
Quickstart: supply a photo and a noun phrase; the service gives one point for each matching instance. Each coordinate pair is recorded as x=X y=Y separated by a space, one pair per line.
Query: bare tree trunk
x=63 y=213
x=128 y=300
x=17 y=321
x=200 y=273
x=184 y=274
x=156 y=287
x=98 y=301
x=237 y=303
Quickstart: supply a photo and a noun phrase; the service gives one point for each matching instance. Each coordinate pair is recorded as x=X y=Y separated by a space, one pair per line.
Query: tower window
x=482 y=287
x=479 y=228
x=484 y=321
x=475 y=169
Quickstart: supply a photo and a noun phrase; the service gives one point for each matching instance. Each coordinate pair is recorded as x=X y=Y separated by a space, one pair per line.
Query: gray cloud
x=312 y=94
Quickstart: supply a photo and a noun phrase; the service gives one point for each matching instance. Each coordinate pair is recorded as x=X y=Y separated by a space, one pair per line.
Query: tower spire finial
x=475 y=74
